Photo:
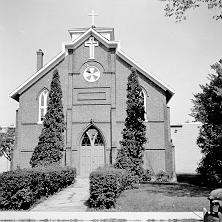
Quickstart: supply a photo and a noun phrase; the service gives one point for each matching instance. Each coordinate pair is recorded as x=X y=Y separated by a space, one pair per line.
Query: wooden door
x=91 y=151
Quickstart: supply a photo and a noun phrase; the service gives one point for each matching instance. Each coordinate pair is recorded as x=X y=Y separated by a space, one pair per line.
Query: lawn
x=178 y=197
x=164 y=197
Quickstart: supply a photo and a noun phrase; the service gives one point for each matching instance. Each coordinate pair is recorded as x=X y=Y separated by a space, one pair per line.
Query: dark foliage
x=162 y=177
x=178 y=8
x=106 y=184
x=130 y=156
x=7 y=141
x=20 y=189
x=146 y=176
x=208 y=110
x=51 y=141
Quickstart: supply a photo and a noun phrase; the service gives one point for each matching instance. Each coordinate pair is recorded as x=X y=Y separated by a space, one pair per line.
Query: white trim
x=62 y=54
x=108 y=44
x=141 y=69
x=97 y=29
x=81 y=38
x=45 y=94
x=145 y=104
x=91 y=43
x=36 y=74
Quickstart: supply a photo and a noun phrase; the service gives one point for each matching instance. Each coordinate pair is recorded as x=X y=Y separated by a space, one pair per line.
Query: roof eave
x=78 y=41
x=169 y=91
x=109 y=44
x=17 y=92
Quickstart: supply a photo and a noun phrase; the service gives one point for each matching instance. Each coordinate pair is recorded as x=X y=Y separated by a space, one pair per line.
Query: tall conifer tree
x=51 y=140
x=208 y=110
x=130 y=156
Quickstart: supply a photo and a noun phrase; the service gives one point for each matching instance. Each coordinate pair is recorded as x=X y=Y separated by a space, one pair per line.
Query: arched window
x=92 y=137
x=144 y=95
x=86 y=140
x=43 y=97
x=98 y=140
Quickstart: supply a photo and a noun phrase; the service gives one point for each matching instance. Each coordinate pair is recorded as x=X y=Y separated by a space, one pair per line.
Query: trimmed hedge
x=20 y=189
x=106 y=184
x=146 y=176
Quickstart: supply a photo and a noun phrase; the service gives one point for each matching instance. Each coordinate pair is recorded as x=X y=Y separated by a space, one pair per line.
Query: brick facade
x=101 y=103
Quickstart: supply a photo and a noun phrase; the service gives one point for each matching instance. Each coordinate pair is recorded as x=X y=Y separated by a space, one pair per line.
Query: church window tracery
x=91 y=74
x=43 y=97
x=92 y=137
x=144 y=95
x=86 y=140
x=98 y=140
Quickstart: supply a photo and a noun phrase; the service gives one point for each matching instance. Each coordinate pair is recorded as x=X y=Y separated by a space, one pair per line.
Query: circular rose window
x=91 y=74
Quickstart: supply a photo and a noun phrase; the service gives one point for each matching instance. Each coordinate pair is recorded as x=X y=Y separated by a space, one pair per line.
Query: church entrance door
x=91 y=151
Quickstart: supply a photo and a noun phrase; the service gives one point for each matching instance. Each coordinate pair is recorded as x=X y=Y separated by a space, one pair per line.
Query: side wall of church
x=157 y=156
x=27 y=117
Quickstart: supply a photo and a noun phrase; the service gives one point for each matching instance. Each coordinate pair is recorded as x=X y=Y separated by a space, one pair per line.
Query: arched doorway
x=91 y=151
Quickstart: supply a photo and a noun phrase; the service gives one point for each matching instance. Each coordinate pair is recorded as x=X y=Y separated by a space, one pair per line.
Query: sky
x=180 y=54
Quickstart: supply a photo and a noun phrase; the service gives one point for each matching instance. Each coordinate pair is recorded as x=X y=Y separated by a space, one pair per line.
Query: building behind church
x=187 y=152
x=93 y=73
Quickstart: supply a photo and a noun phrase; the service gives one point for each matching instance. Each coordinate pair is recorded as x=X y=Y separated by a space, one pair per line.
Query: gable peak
x=107 y=33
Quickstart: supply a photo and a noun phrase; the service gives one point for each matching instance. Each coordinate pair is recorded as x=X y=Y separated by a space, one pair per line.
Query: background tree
x=178 y=8
x=208 y=110
x=7 y=141
x=51 y=141
x=130 y=156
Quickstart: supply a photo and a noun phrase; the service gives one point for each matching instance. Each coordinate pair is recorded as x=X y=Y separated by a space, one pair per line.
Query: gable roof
x=76 y=43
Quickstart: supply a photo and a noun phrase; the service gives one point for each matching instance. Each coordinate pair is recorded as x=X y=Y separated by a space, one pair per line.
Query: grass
x=185 y=196
x=164 y=198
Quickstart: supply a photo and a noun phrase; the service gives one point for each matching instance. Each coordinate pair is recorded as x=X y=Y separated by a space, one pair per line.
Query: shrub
x=146 y=176
x=20 y=189
x=106 y=184
x=162 y=176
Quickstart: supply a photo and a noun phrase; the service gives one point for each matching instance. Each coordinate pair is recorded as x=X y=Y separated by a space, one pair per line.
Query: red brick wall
x=108 y=114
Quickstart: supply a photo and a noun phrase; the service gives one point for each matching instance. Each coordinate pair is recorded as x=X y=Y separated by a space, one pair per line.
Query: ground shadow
x=188 y=185
x=194 y=179
x=178 y=190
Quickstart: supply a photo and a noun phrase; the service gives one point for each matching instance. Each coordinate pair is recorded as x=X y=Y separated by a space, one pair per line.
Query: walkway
x=71 y=198
x=69 y=205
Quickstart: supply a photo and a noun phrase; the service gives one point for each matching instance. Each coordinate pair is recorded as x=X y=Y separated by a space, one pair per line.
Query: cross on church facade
x=93 y=14
x=91 y=44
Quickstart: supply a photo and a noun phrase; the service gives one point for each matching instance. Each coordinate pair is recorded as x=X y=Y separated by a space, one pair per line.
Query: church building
x=93 y=73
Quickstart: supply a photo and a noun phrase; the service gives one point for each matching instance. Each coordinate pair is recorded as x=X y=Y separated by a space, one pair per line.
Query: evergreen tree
x=51 y=141
x=208 y=110
x=130 y=156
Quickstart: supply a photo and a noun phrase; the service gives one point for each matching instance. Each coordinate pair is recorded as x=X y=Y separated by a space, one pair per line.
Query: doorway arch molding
x=91 y=155
x=91 y=124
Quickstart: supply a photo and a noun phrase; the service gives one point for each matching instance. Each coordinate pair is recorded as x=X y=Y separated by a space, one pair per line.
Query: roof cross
x=93 y=14
x=91 y=44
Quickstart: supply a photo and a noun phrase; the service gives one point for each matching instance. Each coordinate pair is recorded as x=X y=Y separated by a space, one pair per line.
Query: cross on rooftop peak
x=91 y=44
x=93 y=14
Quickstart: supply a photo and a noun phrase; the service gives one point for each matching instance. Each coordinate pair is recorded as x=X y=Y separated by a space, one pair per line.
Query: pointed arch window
x=92 y=137
x=144 y=95
x=99 y=140
x=86 y=140
x=43 y=102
